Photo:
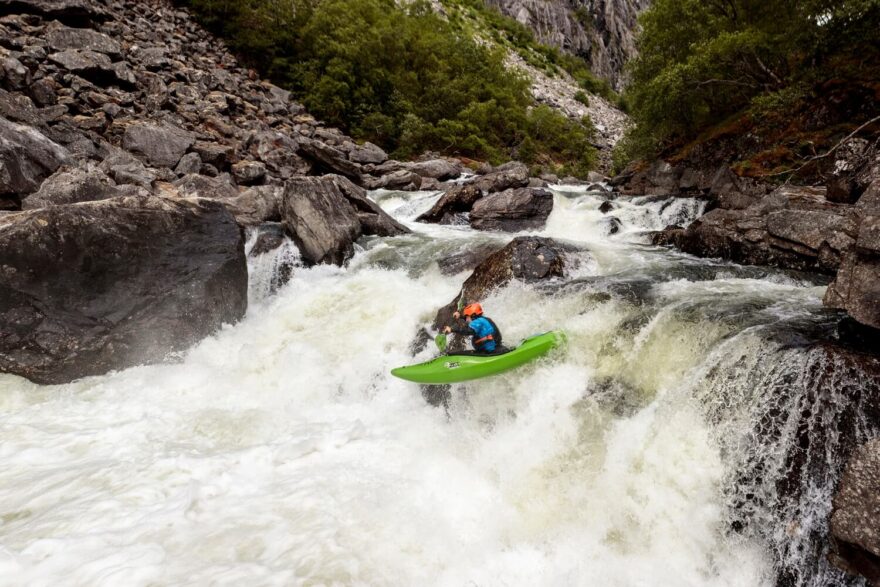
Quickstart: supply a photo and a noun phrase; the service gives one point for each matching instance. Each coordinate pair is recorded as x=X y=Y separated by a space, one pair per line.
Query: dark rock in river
x=458 y=199
x=467 y=260
x=512 y=210
x=855 y=523
x=527 y=259
x=105 y=285
x=510 y=175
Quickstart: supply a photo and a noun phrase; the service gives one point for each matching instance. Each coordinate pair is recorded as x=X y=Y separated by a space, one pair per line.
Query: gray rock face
x=512 y=210
x=457 y=200
x=856 y=288
x=325 y=215
x=855 y=522
x=104 y=285
x=69 y=187
x=320 y=220
x=26 y=158
x=158 y=145
x=62 y=38
x=65 y=10
x=249 y=172
x=201 y=186
x=441 y=169
x=367 y=153
x=791 y=228
x=509 y=175
x=601 y=31
x=527 y=259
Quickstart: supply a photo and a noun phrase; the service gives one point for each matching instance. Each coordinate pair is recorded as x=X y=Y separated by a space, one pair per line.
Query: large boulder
x=526 y=258
x=159 y=145
x=325 y=215
x=510 y=175
x=855 y=521
x=91 y=287
x=856 y=288
x=456 y=201
x=441 y=169
x=374 y=220
x=320 y=219
x=70 y=11
x=94 y=66
x=69 y=186
x=512 y=210
x=27 y=157
x=62 y=38
x=790 y=228
x=328 y=157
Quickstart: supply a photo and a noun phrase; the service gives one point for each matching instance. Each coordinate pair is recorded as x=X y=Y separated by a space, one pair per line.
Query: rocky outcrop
x=601 y=31
x=856 y=287
x=519 y=209
x=512 y=210
x=27 y=157
x=75 y=185
x=855 y=522
x=90 y=287
x=325 y=215
x=527 y=259
x=790 y=228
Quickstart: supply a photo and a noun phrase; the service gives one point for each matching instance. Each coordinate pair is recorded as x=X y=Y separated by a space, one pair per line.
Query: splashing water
x=281 y=452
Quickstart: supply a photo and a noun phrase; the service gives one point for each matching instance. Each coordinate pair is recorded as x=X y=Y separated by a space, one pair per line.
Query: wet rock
x=612 y=225
x=606 y=207
x=855 y=521
x=320 y=219
x=27 y=157
x=512 y=210
x=456 y=200
x=466 y=260
x=374 y=220
x=856 y=287
x=69 y=187
x=270 y=238
x=160 y=145
x=105 y=285
x=527 y=259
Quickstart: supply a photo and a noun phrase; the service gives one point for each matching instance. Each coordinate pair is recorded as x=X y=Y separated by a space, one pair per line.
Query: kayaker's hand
x=447 y=330
x=456 y=315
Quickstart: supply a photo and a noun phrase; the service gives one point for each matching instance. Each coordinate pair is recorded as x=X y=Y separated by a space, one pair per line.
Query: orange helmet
x=472 y=310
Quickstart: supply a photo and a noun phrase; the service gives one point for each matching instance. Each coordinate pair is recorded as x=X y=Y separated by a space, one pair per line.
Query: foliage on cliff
x=402 y=77
x=754 y=64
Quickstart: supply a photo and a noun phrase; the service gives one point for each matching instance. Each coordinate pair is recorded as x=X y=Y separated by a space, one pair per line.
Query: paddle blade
x=440 y=341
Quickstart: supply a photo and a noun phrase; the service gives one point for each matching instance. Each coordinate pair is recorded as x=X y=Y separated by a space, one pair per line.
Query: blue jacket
x=480 y=327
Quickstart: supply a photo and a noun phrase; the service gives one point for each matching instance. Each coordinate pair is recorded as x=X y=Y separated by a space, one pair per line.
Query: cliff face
x=600 y=31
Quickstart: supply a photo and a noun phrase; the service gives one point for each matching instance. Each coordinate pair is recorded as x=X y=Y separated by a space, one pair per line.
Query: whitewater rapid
x=281 y=451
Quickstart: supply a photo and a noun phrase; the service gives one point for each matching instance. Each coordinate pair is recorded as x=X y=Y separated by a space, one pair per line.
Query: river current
x=281 y=452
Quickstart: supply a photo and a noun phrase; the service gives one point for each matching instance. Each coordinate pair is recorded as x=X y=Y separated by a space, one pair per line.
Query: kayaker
x=485 y=334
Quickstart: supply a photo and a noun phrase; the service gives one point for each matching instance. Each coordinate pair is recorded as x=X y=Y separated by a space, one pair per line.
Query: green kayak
x=456 y=368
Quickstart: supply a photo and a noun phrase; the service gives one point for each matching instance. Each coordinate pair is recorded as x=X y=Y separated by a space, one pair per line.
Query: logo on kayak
x=451 y=365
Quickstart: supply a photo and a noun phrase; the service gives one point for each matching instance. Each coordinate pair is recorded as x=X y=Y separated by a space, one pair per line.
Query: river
x=281 y=451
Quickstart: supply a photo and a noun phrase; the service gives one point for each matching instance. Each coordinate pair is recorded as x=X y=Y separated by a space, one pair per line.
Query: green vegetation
x=706 y=64
x=402 y=77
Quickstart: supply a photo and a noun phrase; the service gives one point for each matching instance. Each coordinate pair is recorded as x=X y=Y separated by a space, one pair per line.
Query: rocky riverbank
x=131 y=145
